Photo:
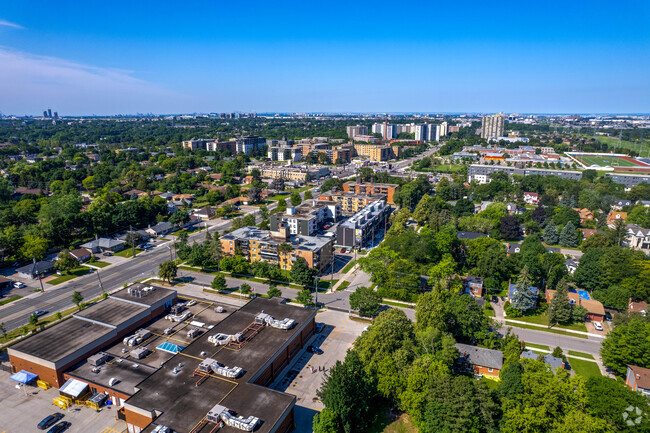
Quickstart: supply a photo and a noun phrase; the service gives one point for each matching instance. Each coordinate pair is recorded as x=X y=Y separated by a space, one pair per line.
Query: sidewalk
x=596 y=360
x=349 y=273
x=544 y=327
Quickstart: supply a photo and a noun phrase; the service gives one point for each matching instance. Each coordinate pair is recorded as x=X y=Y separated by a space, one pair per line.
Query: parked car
x=314 y=349
x=62 y=426
x=107 y=254
x=19 y=285
x=319 y=327
x=342 y=250
x=39 y=313
x=598 y=326
x=49 y=420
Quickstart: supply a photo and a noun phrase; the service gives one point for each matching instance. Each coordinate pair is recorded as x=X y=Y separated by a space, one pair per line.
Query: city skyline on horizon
x=128 y=58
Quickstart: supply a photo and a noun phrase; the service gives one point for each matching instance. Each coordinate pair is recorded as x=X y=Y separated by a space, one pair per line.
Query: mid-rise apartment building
x=361 y=228
x=307 y=218
x=264 y=245
x=288 y=172
x=359 y=187
x=210 y=145
x=427 y=132
x=492 y=126
x=249 y=143
x=353 y=131
x=629 y=180
x=351 y=203
x=280 y=153
x=374 y=152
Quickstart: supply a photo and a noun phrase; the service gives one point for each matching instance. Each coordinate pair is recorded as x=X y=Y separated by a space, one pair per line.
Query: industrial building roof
x=182 y=404
x=111 y=312
x=312 y=243
x=57 y=342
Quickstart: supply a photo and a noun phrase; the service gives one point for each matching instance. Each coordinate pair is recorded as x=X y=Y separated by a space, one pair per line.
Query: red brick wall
x=136 y=419
x=484 y=371
x=49 y=375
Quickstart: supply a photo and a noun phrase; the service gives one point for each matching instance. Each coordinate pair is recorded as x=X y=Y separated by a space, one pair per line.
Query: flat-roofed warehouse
x=51 y=352
x=223 y=375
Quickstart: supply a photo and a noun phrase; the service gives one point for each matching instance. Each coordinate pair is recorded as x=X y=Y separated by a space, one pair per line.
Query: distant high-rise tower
x=443 y=129
x=49 y=112
x=492 y=126
x=44 y=113
x=56 y=115
x=353 y=131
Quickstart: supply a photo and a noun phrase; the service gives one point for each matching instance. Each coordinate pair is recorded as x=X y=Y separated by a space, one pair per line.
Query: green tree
x=33 y=319
x=167 y=271
x=274 y=292
x=77 y=299
x=523 y=297
x=510 y=386
x=3 y=330
x=34 y=247
x=627 y=344
x=308 y=195
x=560 y=311
x=66 y=262
x=295 y=198
x=619 y=398
x=551 y=235
x=219 y=282
x=366 y=301
x=245 y=289
x=301 y=273
x=305 y=297
x=509 y=227
x=568 y=237
x=282 y=205
x=347 y=393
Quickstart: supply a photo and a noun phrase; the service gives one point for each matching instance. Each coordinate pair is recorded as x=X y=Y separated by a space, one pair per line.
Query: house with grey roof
x=104 y=244
x=160 y=229
x=551 y=361
x=33 y=270
x=478 y=360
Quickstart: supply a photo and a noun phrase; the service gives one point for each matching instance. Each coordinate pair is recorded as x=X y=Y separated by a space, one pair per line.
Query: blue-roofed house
x=551 y=361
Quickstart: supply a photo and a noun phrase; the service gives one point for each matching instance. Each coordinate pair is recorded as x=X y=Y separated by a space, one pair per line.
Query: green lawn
x=73 y=274
x=633 y=145
x=397 y=304
x=580 y=354
x=443 y=168
x=586 y=369
x=537 y=328
x=542 y=319
x=8 y=300
x=344 y=285
x=347 y=267
x=99 y=264
x=128 y=252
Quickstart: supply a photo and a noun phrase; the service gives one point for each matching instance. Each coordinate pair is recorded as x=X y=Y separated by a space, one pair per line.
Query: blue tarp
x=171 y=348
x=23 y=376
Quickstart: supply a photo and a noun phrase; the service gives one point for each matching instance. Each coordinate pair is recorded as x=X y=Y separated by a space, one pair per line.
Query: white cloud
x=10 y=24
x=29 y=83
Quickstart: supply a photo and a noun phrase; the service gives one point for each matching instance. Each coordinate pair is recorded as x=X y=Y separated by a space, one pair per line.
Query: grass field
x=641 y=146
x=542 y=319
x=603 y=161
x=585 y=369
x=8 y=300
x=73 y=274
x=537 y=346
x=537 y=328
x=99 y=264
x=443 y=168
x=580 y=354
x=128 y=252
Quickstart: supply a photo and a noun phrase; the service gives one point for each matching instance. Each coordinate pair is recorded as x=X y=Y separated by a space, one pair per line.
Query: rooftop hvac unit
x=98 y=359
x=113 y=381
x=239 y=422
x=161 y=429
x=196 y=323
x=279 y=324
x=168 y=331
x=139 y=353
x=177 y=309
x=214 y=415
x=192 y=333
x=144 y=333
x=219 y=310
x=191 y=302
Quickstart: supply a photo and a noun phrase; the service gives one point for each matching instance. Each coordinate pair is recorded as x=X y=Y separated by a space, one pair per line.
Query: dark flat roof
x=112 y=311
x=61 y=340
x=128 y=376
x=151 y=298
x=183 y=404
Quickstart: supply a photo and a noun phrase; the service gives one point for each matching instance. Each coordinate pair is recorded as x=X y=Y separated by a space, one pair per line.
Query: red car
x=342 y=250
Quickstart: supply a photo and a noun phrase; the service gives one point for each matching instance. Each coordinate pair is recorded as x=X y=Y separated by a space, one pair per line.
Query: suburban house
x=480 y=361
x=478 y=208
x=473 y=286
x=470 y=235
x=4 y=282
x=166 y=195
x=531 y=197
x=614 y=216
x=513 y=248
x=585 y=214
x=638 y=379
x=104 y=244
x=595 y=310
x=512 y=290
x=33 y=270
x=620 y=204
x=638 y=238
x=551 y=361
x=571 y=265
x=134 y=235
x=637 y=307
x=189 y=198
x=206 y=212
x=588 y=232
x=81 y=254
x=160 y=229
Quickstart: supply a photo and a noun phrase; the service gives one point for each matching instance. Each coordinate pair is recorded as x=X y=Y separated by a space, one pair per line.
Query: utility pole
x=316 y=279
x=100 y=281
x=132 y=242
x=40 y=280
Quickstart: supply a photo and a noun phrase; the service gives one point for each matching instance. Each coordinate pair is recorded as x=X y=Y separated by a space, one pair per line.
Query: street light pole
x=316 y=279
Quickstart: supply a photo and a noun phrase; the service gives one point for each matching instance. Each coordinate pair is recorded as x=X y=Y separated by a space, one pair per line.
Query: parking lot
x=22 y=409
x=305 y=376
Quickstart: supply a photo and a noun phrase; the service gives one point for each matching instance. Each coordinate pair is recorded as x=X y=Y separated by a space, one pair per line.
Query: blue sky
x=212 y=56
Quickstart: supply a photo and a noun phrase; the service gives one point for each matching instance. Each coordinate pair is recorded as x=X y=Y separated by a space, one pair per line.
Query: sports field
x=611 y=161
